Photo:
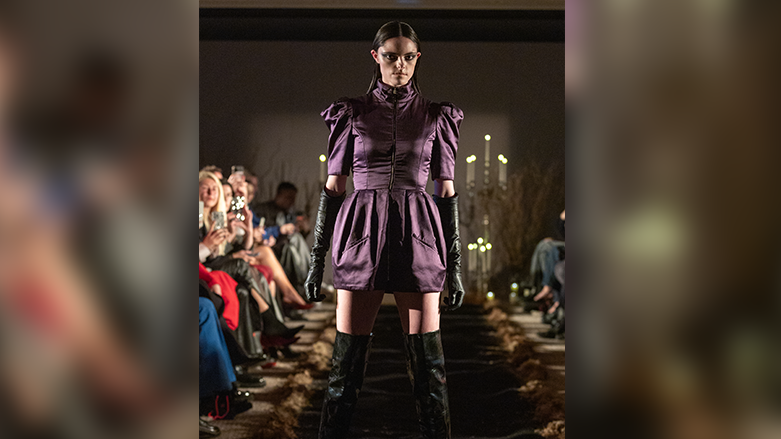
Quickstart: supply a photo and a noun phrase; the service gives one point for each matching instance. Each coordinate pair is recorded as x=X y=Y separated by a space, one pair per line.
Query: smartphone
x=218 y=218
x=237 y=170
x=262 y=222
x=237 y=204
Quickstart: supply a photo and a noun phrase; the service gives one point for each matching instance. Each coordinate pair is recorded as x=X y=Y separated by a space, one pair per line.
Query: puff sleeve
x=443 y=152
x=338 y=118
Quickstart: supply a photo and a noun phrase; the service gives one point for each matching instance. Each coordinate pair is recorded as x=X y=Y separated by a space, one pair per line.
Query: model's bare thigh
x=357 y=310
x=419 y=312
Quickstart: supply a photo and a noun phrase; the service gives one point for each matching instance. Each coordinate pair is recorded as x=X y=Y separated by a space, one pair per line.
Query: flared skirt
x=389 y=240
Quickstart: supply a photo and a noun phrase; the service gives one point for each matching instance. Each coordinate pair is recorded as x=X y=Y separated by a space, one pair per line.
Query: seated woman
x=255 y=317
x=264 y=259
x=241 y=236
x=216 y=378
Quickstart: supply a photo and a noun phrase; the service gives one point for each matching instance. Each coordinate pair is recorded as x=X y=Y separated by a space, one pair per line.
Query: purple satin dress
x=388 y=234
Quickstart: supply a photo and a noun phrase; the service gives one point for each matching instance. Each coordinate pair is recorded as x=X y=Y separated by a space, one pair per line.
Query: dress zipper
x=393 y=144
x=393 y=172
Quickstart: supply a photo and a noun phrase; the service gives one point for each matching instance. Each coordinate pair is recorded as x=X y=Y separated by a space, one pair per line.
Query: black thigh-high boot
x=348 y=366
x=426 y=368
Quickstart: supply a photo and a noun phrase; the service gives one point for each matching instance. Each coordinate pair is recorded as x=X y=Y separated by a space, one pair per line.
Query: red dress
x=228 y=289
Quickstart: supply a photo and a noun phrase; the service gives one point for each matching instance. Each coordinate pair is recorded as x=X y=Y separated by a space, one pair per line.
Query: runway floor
x=484 y=400
x=484 y=397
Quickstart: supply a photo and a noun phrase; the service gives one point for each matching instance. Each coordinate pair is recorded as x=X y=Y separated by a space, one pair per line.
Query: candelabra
x=480 y=251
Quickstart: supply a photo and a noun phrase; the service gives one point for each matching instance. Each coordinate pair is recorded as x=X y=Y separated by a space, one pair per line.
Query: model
x=389 y=235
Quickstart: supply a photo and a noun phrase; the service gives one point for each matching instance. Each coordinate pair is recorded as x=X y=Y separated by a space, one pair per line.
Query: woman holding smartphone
x=389 y=235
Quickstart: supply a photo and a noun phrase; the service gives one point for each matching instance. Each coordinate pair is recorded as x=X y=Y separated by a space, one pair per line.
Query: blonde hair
x=220 y=207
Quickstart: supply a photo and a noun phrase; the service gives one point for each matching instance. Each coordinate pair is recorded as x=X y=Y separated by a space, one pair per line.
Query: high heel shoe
x=291 y=332
x=272 y=326
x=275 y=341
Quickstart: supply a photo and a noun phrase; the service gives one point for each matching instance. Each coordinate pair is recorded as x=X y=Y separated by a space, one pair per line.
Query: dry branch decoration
x=548 y=404
x=521 y=214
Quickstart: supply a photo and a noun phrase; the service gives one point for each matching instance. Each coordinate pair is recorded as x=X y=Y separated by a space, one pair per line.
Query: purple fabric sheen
x=388 y=235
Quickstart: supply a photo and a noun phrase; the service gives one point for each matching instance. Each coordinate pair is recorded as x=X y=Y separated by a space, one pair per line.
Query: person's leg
x=536 y=270
x=286 y=257
x=249 y=322
x=300 y=251
x=357 y=310
x=262 y=305
x=216 y=369
x=355 y=315
x=549 y=256
x=419 y=314
x=267 y=257
x=543 y=294
x=559 y=275
x=272 y=325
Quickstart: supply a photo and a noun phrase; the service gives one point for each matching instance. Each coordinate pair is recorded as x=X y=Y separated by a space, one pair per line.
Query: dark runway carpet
x=484 y=400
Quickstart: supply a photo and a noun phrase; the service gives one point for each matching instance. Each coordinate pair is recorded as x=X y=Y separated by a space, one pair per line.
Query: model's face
x=397 y=59
x=209 y=193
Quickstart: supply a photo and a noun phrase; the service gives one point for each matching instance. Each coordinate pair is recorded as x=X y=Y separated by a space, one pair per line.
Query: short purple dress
x=388 y=234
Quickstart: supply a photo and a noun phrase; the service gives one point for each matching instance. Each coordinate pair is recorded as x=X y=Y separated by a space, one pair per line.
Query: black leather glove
x=323 y=230
x=448 y=214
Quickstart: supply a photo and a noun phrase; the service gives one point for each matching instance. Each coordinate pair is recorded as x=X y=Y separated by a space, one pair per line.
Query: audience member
x=260 y=320
x=216 y=379
x=548 y=267
x=290 y=247
x=214 y=170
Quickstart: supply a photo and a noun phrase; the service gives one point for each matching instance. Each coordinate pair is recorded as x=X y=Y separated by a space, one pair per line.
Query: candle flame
x=487 y=137
x=322 y=157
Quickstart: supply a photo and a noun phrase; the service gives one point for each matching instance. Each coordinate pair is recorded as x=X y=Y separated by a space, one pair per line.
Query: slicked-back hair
x=393 y=29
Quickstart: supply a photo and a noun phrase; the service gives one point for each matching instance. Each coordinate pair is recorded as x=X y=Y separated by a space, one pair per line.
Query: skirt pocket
x=351 y=245
x=428 y=245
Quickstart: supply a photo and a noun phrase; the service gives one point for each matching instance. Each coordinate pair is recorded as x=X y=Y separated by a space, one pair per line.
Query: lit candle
x=502 y=171
x=472 y=257
x=487 y=157
x=470 y=172
x=488 y=256
x=482 y=260
x=322 y=169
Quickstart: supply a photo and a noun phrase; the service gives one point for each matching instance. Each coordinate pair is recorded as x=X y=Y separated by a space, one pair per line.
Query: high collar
x=403 y=92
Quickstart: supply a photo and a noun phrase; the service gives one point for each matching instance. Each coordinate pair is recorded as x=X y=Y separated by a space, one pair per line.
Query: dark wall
x=260 y=100
x=265 y=75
